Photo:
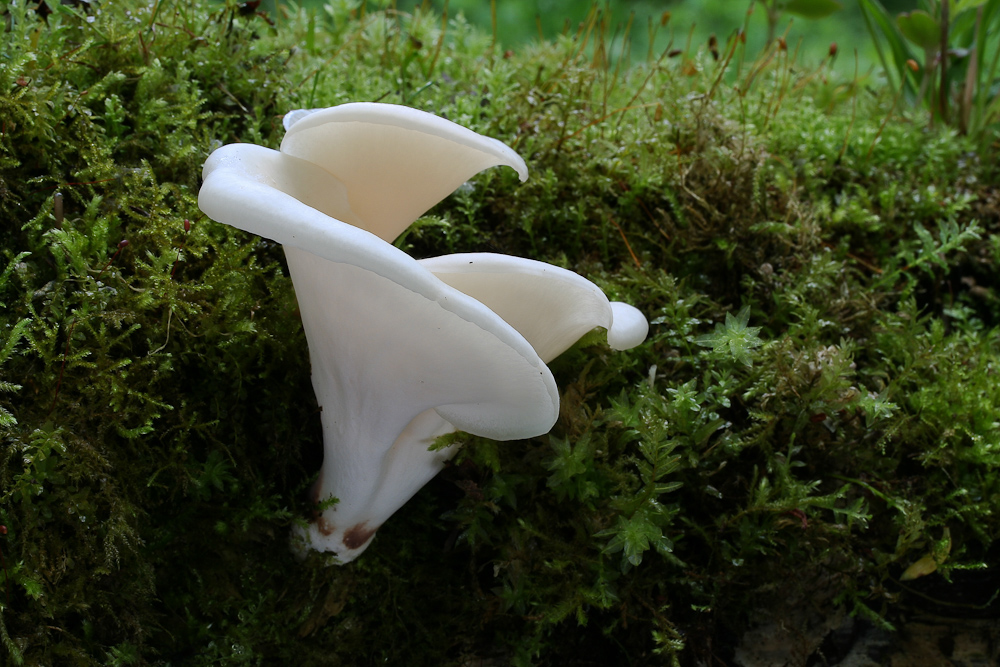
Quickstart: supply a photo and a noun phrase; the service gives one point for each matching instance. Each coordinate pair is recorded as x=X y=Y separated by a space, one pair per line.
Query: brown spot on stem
x=325 y=527
x=358 y=536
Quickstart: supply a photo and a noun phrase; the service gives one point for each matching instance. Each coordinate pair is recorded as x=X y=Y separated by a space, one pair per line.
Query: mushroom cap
x=411 y=159
x=548 y=305
x=408 y=316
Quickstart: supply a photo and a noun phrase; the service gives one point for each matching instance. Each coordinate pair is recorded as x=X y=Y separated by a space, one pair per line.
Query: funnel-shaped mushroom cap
x=396 y=162
x=402 y=351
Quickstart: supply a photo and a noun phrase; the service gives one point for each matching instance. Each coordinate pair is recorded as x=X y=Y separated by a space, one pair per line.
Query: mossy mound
x=814 y=410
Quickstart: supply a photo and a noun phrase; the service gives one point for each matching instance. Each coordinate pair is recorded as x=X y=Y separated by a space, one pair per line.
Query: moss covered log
x=814 y=412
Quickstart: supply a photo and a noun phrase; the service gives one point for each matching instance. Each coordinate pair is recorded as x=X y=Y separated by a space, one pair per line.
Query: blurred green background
x=521 y=22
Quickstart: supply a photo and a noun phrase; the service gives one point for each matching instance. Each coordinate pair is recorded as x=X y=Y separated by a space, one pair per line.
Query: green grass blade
x=882 y=26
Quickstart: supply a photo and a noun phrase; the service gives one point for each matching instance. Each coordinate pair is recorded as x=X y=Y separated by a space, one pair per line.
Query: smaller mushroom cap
x=548 y=305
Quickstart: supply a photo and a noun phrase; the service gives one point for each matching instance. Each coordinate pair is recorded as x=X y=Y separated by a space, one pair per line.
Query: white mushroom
x=402 y=351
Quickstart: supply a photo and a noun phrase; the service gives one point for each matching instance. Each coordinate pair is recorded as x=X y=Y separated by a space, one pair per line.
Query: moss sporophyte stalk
x=816 y=259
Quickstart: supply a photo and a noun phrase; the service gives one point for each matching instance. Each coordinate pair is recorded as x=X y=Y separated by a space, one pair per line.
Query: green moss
x=814 y=402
